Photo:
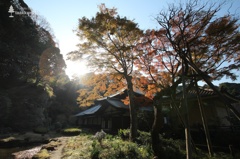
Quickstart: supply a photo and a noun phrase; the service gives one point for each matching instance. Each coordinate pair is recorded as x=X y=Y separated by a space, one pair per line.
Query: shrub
x=41 y=130
x=124 y=134
x=71 y=131
x=96 y=150
x=116 y=148
x=170 y=147
x=143 y=138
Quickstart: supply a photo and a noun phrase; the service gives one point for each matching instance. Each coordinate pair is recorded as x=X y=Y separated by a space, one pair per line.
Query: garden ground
x=87 y=146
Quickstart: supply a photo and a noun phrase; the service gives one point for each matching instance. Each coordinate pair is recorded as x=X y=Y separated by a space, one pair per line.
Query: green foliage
x=84 y=146
x=21 y=48
x=96 y=150
x=124 y=134
x=113 y=147
x=232 y=88
x=32 y=72
x=171 y=148
x=41 y=130
x=71 y=131
x=117 y=149
x=50 y=92
x=144 y=138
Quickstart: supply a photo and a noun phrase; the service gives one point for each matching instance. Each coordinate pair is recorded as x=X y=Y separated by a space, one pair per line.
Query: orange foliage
x=97 y=86
x=140 y=101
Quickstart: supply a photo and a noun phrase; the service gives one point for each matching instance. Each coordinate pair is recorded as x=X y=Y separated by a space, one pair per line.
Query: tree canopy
x=108 y=41
x=22 y=42
x=192 y=44
x=97 y=86
x=108 y=44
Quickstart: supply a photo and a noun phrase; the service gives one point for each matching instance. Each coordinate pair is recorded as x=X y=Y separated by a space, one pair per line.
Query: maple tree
x=191 y=41
x=162 y=75
x=205 y=43
x=97 y=86
x=109 y=46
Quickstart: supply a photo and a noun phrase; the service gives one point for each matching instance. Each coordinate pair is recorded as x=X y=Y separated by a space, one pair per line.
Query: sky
x=63 y=17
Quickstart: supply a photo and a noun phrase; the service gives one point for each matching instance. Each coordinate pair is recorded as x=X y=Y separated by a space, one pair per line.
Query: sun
x=76 y=68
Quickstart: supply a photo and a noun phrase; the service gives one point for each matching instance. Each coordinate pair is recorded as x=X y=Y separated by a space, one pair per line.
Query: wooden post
x=204 y=121
x=185 y=104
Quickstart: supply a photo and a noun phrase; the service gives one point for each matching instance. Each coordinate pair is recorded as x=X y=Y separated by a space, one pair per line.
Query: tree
x=52 y=65
x=162 y=75
x=232 y=88
x=207 y=45
x=21 y=48
x=97 y=86
x=109 y=42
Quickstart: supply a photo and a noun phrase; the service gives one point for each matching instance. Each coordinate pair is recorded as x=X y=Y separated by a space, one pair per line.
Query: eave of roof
x=117 y=103
x=204 y=94
x=89 y=111
x=112 y=95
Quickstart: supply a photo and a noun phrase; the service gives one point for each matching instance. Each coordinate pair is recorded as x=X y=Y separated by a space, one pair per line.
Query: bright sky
x=63 y=15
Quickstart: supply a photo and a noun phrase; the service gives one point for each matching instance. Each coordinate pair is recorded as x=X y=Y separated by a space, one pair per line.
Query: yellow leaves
x=151 y=86
x=98 y=86
x=143 y=80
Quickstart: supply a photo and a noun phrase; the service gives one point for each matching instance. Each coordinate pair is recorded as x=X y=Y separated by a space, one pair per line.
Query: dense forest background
x=34 y=88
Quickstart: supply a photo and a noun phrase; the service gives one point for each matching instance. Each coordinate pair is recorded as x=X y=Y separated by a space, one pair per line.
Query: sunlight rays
x=76 y=68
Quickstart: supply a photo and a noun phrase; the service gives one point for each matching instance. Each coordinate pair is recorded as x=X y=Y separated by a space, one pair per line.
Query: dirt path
x=57 y=154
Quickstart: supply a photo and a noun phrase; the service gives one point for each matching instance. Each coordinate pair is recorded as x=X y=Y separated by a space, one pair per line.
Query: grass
x=78 y=147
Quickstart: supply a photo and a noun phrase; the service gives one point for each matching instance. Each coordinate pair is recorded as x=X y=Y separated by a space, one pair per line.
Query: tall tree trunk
x=157 y=126
x=204 y=121
x=133 y=110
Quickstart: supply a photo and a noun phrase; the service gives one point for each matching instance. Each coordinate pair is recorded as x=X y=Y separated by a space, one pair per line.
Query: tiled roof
x=117 y=103
x=89 y=111
x=193 y=93
x=113 y=95
x=204 y=93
